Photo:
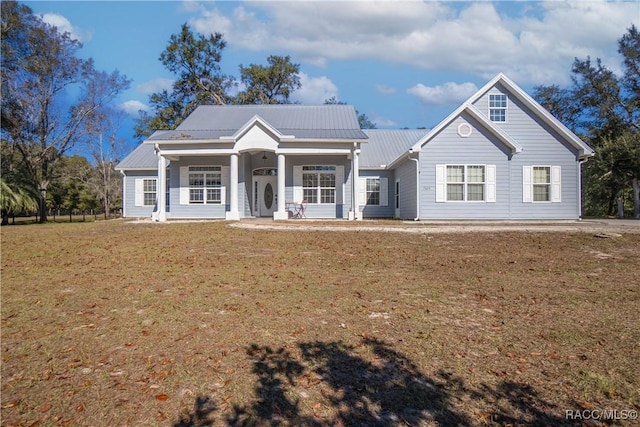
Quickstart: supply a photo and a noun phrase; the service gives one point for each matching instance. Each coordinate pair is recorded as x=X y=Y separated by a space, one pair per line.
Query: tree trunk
x=620 y=207
x=43 y=205
x=636 y=197
x=5 y=217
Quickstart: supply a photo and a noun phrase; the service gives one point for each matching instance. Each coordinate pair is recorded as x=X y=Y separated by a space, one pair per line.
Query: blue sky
x=403 y=63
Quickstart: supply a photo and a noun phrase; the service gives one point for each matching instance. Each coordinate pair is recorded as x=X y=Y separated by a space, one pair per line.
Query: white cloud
x=532 y=43
x=155 y=85
x=382 y=122
x=314 y=90
x=133 y=107
x=448 y=94
x=64 y=26
x=385 y=90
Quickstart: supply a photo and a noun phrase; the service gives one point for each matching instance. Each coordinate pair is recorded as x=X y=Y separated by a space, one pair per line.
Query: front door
x=265 y=198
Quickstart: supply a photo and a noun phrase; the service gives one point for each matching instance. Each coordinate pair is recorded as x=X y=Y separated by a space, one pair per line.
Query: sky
x=402 y=63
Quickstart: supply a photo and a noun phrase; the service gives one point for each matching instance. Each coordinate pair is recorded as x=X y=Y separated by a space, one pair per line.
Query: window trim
x=318 y=170
x=367 y=192
x=145 y=192
x=492 y=108
x=465 y=184
x=534 y=184
x=555 y=184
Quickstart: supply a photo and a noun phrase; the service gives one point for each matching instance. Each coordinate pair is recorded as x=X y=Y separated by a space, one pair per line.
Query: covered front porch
x=257 y=183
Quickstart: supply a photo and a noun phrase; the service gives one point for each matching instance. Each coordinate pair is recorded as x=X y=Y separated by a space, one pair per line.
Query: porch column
x=355 y=173
x=161 y=189
x=281 y=213
x=233 y=213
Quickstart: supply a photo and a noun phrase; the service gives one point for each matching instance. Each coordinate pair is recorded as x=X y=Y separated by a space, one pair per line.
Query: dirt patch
x=116 y=323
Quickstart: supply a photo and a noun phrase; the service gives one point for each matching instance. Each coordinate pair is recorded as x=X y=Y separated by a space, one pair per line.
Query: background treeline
x=55 y=105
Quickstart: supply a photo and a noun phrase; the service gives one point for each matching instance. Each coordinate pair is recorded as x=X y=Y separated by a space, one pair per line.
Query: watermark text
x=601 y=414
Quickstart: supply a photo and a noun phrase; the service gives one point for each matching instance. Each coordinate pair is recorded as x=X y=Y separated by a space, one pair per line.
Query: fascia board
x=135 y=169
x=314 y=151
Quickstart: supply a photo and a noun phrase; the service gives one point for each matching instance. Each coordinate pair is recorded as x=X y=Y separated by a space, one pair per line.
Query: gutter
x=417 y=218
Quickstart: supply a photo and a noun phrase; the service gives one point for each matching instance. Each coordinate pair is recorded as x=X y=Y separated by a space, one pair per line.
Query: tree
x=14 y=199
x=604 y=109
x=271 y=84
x=106 y=149
x=41 y=117
x=363 y=120
x=196 y=63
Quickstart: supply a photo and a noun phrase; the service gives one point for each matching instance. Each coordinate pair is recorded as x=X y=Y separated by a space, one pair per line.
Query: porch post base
x=357 y=216
x=279 y=216
x=232 y=216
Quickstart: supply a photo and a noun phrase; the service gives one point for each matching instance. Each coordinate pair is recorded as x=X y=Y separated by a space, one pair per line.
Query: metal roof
x=385 y=146
x=300 y=121
x=142 y=158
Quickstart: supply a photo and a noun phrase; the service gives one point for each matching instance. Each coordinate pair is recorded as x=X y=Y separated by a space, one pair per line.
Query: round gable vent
x=464 y=129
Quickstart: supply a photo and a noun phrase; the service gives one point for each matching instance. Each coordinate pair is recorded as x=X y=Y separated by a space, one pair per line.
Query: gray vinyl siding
x=406 y=174
x=195 y=211
x=373 y=211
x=341 y=208
x=129 y=194
x=448 y=148
x=541 y=147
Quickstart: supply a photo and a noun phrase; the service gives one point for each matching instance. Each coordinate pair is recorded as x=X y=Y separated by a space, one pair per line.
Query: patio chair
x=299 y=209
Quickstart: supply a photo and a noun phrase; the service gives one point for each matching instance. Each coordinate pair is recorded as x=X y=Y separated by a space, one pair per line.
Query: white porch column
x=281 y=213
x=355 y=174
x=161 y=190
x=233 y=213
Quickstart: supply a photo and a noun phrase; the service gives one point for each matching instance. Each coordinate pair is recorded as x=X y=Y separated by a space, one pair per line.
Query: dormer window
x=498 y=108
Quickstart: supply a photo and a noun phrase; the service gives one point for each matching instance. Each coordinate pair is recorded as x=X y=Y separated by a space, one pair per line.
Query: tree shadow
x=369 y=384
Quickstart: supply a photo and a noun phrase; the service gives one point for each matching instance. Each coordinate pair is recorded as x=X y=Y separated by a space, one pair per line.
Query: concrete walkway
x=604 y=227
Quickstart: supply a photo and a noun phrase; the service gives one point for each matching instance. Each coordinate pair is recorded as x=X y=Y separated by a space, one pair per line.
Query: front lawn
x=115 y=323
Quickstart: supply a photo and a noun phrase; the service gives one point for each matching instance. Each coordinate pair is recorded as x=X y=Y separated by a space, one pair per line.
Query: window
x=373 y=191
x=498 y=108
x=541 y=183
x=465 y=183
x=149 y=191
x=205 y=184
x=319 y=184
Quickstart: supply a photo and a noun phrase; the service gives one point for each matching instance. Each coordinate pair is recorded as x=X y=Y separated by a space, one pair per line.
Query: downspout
x=580 y=162
x=124 y=194
x=417 y=218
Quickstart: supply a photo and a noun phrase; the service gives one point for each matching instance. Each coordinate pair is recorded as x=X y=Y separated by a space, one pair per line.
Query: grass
x=115 y=323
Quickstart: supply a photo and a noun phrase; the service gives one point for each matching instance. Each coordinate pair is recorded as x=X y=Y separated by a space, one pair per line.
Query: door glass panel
x=268 y=196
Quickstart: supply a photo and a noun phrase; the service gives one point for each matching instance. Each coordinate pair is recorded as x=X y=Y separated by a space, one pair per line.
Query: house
x=499 y=155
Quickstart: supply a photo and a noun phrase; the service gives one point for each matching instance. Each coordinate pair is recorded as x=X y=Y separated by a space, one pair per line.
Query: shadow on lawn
x=383 y=389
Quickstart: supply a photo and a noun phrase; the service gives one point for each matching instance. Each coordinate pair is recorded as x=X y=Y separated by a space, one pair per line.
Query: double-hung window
x=541 y=183
x=466 y=183
x=149 y=191
x=319 y=184
x=205 y=184
x=498 y=108
x=373 y=191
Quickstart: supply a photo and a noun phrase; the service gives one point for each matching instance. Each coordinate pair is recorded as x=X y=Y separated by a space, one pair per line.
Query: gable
x=523 y=113
x=257 y=135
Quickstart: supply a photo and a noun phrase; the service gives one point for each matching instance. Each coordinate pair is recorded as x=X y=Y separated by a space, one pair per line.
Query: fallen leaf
x=162 y=397
x=46 y=407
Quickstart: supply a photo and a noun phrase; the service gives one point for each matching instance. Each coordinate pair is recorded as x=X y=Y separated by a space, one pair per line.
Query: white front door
x=265 y=197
